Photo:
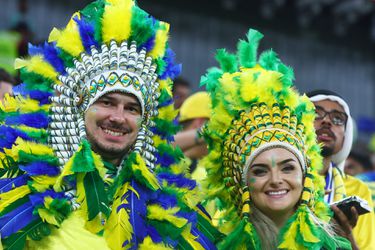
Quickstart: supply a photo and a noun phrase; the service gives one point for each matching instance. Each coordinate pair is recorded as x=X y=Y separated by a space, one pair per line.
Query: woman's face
x=275 y=181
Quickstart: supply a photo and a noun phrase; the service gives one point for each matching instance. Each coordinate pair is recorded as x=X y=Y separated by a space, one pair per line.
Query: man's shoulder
x=355 y=186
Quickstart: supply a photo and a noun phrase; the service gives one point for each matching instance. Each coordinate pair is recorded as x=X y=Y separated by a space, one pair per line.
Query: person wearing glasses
x=334 y=129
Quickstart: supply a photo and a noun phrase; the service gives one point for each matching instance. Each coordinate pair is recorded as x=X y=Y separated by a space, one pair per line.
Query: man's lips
x=114 y=132
x=325 y=135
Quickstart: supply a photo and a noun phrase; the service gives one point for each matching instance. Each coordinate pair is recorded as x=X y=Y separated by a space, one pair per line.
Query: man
x=334 y=130
x=194 y=113
x=86 y=160
x=6 y=83
x=181 y=90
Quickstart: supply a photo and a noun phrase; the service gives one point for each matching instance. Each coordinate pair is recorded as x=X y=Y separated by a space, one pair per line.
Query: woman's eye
x=259 y=172
x=288 y=168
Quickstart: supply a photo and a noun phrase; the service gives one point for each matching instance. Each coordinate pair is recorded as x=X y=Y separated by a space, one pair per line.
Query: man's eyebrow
x=317 y=106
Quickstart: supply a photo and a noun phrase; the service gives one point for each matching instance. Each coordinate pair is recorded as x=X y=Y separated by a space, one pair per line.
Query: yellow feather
x=166 y=85
x=160 y=41
x=156 y=212
x=54 y=35
x=150 y=177
x=28 y=147
x=67 y=170
x=158 y=140
x=191 y=239
x=116 y=23
x=118 y=228
x=168 y=112
x=13 y=195
x=95 y=225
x=37 y=65
x=149 y=244
x=69 y=40
x=47 y=217
x=42 y=182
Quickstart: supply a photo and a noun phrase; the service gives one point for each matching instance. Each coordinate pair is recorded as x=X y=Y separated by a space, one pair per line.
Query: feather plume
x=8 y=184
x=156 y=212
x=247 y=50
x=116 y=21
x=36 y=120
x=13 y=195
x=149 y=244
x=178 y=180
x=87 y=32
x=142 y=26
x=142 y=173
x=118 y=228
x=171 y=69
x=9 y=135
x=227 y=61
x=17 y=219
x=50 y=54
x=161 y=38
x=40 y=168
x=69 y=39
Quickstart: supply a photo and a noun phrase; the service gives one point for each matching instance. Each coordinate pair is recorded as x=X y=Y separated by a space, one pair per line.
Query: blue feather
x=165 y=200
x=137 y=211
x=190 y=216
x=87 y=32
x=50 y=54
x=149 y=44
x=155 y=236
x=38 y=198
x=167 y=102
x=35 y=120
x=164 y=159
x=17 y=219
x=172 y=70
x=40 y=168
x=9 y=135
x=202 y=239
x=8 y=184
x=178 y=180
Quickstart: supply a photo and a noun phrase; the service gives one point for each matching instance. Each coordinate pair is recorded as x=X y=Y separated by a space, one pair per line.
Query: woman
x=263 y=161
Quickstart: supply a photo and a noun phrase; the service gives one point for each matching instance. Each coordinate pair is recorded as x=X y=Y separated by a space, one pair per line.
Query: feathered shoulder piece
x=254 y=106
x=50 y=175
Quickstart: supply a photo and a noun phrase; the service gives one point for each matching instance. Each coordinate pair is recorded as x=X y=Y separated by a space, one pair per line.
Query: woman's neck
x=280 y=219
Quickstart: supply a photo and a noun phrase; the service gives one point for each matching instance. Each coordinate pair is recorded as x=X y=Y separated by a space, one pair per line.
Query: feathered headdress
x=48 y=169
x=254 y=107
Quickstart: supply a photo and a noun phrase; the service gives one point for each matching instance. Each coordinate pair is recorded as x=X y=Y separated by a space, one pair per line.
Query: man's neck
x=326 y=165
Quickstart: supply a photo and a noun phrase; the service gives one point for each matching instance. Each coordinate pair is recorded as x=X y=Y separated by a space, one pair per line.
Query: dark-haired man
x=334 y=129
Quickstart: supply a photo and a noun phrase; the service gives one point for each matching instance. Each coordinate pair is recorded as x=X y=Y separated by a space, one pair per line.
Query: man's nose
x=117 y=115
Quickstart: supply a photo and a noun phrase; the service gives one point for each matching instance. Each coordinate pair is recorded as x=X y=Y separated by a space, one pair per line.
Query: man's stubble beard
x=107 y=152
x=327 y=151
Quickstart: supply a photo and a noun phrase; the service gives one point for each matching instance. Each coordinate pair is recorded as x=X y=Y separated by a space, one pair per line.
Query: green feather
x=9 y=167
x=239 y=238
x=208 y=229
x=93 y=12
x=183 y=244
x=269 y=60
x=36 y=231
x=14 y=205
x=26 y=157
x=83 y=160
x=96 y=196
x=247 y=50
x=34 y=81
x=166 y=229
x=140 y=26
x=227 y=61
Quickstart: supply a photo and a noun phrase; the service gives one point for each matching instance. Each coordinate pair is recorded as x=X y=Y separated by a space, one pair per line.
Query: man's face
x=180 y=94
x=112 y=125
x=5 y=87
x=328 y=133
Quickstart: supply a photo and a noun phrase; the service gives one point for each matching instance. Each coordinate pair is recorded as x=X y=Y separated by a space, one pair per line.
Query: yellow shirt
x=364 y=231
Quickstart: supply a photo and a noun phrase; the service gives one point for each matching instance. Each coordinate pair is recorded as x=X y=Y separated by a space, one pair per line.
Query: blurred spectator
x=181 y=90
x=194 y=113
x=21 y=24
x=358 y=161
x=6 y=83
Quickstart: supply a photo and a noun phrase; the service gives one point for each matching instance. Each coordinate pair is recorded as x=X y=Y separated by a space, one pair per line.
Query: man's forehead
x=120 y=96
x=329 y=105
